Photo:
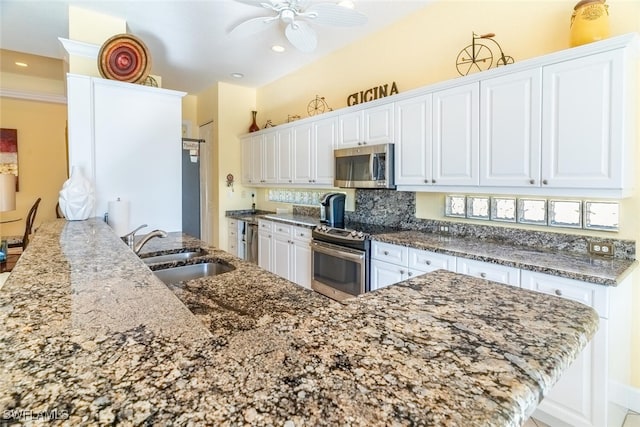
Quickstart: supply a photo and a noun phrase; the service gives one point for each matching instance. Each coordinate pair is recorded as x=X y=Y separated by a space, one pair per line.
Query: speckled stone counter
x=89 y=336
x=598 y=270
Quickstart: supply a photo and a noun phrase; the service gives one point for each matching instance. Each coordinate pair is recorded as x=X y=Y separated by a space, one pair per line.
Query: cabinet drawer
x=486 y=270
x=265 y=225
x=281 y=229
x=594 y=296
x=302 y=234
x=390 y=253
x=233 y=234
x=426 y=261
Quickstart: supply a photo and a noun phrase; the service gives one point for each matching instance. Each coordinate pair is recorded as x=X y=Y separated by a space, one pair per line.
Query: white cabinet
x=394 y=263
x=580 y=397
x=368 y=126
x=413 y=146
x=455 y=135
x=126 y=152
x=285 y=250
x=486 y=270
x=510 y=129
x=246 y=148
x=584 y=118
x=313 y=147
x=235 y=243
x=265 y=242
x=285 y=159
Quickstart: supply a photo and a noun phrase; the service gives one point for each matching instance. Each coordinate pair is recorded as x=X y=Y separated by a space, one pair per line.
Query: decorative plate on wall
x=124 y=57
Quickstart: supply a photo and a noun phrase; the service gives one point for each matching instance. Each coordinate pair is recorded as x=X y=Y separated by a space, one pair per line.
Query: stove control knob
x=360 y=234
x=353 y=233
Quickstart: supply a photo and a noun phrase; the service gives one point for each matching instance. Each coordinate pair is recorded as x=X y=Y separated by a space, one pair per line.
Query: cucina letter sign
x=371 y=94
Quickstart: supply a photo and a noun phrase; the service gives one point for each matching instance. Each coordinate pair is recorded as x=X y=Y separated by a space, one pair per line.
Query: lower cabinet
x=486 y=270
x=584 y=395
x=285 y=250
x=235 y=241
x=394 y=263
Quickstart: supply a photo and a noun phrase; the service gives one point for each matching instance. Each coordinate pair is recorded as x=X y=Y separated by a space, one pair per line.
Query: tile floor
x=632 y=420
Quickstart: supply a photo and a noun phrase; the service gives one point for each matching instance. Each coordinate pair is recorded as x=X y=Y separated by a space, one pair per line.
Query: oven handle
x=346 y=253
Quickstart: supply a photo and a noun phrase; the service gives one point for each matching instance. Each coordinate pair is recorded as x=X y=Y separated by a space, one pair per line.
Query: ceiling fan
x=296 y=15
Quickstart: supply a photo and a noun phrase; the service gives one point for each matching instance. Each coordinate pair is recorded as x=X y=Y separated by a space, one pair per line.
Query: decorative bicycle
x=478 y=56
x=318 y=106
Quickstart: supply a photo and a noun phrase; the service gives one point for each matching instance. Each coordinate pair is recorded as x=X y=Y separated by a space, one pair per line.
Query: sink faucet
x=136 y=247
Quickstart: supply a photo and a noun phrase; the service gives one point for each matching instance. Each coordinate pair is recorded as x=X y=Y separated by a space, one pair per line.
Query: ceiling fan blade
x=258 y=3
x=301 y=36
x=253 y=26
x=332 y=14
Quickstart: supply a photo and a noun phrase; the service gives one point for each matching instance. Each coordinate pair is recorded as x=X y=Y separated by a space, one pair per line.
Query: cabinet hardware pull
x=433 y=181
x=558 y=292
x=483 y=275
x=401 y=271
x=386 y=252
x=544 y=181
x=428 y=262
x=532 y=181
x=410 y=273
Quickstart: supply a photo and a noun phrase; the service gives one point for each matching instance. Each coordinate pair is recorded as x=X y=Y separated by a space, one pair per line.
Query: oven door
x=337 y=272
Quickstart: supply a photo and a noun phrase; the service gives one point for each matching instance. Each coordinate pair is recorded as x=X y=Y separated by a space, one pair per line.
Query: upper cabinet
x=583 y=123
x=510 y=128
x=559 y=125
x=364 y=127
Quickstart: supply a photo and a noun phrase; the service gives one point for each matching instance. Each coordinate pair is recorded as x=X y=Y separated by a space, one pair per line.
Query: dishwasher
x=251 y=243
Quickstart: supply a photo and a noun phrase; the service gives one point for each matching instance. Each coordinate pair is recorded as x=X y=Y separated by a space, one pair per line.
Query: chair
x=31 y=216
x=23 y=241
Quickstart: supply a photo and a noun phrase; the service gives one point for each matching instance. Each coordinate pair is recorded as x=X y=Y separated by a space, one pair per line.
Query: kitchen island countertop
x=89 y=336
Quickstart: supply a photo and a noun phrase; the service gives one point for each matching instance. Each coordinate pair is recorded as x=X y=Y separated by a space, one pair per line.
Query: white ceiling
x=187 y=39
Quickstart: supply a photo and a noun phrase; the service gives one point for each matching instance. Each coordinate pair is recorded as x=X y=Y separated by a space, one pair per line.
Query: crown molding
x=77 y=48
x=33 y=96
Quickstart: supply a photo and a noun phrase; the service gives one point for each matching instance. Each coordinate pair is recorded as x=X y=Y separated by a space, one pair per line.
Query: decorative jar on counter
x=77 y=197
x=589 y=22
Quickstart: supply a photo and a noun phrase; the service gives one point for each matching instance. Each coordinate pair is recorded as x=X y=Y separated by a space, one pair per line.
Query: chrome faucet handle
x=130 y=237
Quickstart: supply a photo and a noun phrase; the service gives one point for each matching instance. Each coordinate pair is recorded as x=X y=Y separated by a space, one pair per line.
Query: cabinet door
x=582 y=122
x=281 y=256
x=232 y=237
x=285 y=156
x=510 y=128
x=350 y=129
x=325 y=134
x=257 y=161
x=388 y=252
x=265 y=240
x=455 y=135
x=378 y=124
x=579 y=397
x=486 y=270
x=247 y=160
x=303 y=167
x=301 y=263
x=413 y=141
x=385 y=274
x=270 y=157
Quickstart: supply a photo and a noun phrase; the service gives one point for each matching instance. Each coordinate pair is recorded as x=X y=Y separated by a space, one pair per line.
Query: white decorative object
x=77 y=197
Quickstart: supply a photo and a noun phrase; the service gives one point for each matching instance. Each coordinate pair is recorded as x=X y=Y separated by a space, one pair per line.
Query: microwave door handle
x=373 y=167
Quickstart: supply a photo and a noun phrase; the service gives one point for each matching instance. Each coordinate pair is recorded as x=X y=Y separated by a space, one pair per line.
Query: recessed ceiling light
x=237 y=75
x=22 y=64
x=347 y=3
x=277 y=48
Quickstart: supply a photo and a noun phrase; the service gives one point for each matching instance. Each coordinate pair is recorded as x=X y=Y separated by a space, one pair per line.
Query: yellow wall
x=42 y=162
x=422 y=49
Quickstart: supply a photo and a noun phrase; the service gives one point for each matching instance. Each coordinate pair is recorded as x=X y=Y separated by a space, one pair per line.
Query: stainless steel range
x=340 y=262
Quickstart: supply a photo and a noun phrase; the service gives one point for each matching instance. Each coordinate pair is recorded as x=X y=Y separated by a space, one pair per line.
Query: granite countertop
x=89 y=336
x=287 y=218
x=598 y=270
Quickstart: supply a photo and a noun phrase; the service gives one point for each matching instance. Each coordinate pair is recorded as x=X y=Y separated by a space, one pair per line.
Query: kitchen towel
x=118 y=216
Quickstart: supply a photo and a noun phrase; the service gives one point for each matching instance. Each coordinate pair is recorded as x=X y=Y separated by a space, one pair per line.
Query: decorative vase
x=77 y=197
x=589 y=22
x=254 y=126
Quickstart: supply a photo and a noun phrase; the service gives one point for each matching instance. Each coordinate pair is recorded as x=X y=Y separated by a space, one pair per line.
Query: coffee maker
x=332 y=209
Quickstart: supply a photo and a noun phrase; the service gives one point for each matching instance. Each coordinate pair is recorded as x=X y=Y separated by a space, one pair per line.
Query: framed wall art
x=9 y=152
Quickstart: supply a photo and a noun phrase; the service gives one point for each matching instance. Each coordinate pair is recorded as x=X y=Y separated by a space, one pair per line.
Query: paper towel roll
x=119 y=216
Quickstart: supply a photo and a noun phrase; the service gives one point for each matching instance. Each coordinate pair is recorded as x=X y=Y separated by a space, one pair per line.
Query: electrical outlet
x=602 y=249
x=444 y=228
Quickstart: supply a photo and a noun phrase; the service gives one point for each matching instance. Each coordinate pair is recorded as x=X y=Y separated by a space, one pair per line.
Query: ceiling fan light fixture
x=237 y=75
x=277 y=48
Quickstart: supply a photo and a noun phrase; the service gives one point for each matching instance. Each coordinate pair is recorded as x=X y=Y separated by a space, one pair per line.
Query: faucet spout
x=155 y=233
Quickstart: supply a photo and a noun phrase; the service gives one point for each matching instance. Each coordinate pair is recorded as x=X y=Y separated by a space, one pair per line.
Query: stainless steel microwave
x=366 y=166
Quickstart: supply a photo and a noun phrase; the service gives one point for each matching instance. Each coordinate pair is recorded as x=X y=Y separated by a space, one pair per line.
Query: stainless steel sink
x=178 y=256
x=192 y=271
